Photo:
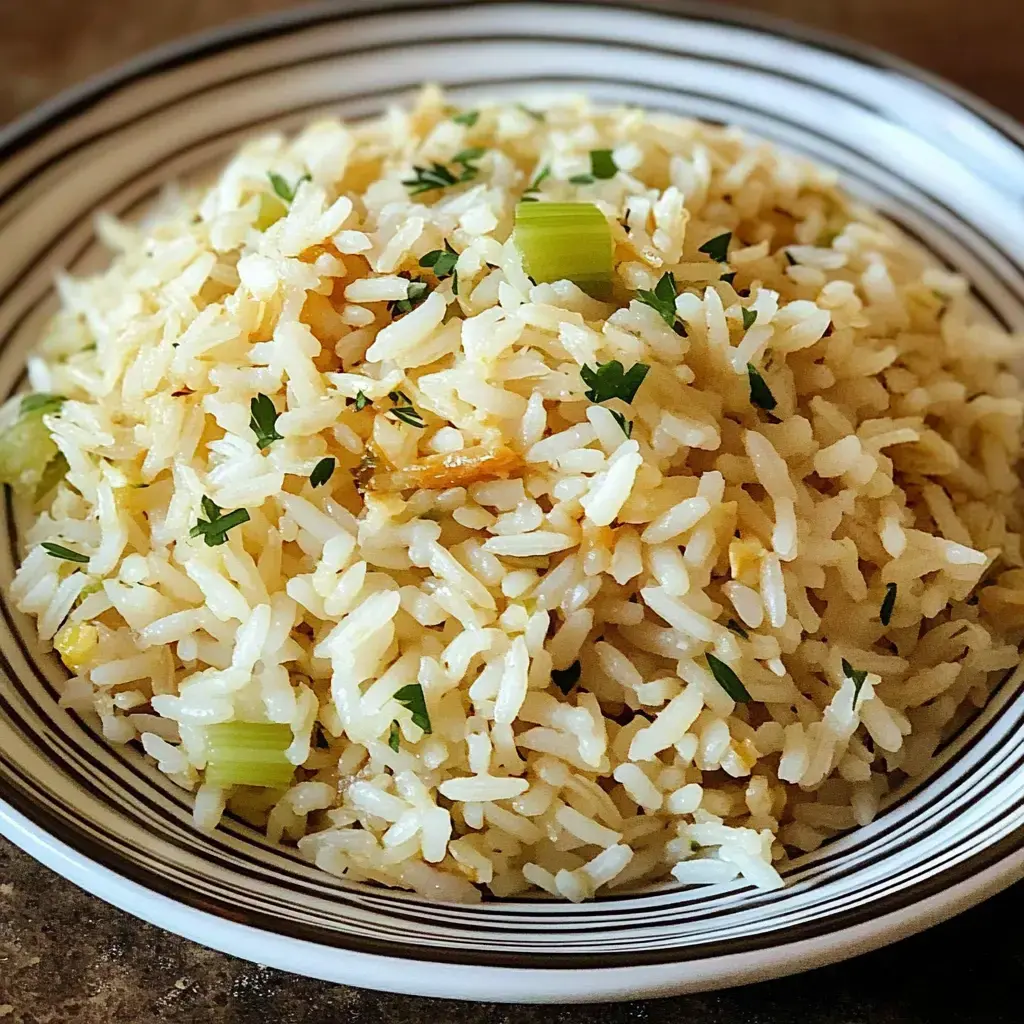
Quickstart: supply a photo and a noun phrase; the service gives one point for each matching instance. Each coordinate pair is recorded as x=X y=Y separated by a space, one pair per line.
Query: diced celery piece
x=28 y=456
x=248 y=754
x=566 y=242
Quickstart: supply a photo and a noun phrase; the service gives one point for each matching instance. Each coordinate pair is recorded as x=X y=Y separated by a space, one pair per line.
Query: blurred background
x=47 y=45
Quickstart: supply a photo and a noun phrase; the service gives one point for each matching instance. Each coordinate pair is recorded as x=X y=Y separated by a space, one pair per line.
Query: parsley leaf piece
x=718 y=247
x=416 y=293
x=394 y=737
x=281 y=187
x=602 y=164
x=467 y=117
x=411 y=697
x=582 y=179
x=760 y=393
x=609 y=380
x=537 y=115
x=662 y=299
x=263 y=421
x=426 y=179
x=441 y=261
x=728 y=278
x=626 y=425
x=41 y=403
x=542 y=174
x=728 y=680
x=566 y=678
x=749 y=316
x=361 y=401
x=465 y=159
x=59 y=551
x=407 y=414
x=857 y=675
x=322 y=472
x=888 y=604
x=737 y=629
x=399 y=396
x=214 y=529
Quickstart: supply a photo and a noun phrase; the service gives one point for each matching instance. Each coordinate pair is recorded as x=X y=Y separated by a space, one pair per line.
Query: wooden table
x=65 y=956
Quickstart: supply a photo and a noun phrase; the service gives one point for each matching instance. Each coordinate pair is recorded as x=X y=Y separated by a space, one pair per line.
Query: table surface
x=66 y=956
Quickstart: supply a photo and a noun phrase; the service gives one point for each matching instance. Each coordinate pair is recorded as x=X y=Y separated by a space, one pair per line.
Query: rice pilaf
x=464 y=582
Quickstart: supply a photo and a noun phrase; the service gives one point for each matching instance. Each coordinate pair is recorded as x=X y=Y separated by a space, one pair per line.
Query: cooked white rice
x=765 y=540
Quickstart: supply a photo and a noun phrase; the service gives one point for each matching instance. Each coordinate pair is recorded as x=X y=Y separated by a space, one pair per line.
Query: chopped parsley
x=468 y=117
x=263 y=421
x=411 y=697
x=582 y=179
x=537 y=115
x=438 y=176
x=737 y=629
x=281 y=187
x=727 y=679
x=214 y=529
x=888 y=604
x=394 y=737
x=322 y=471
x=728 y=278
x=59 y=551
x=542 y=175
x=718 y=247
x=360 y=401
x=626 y=425
x=407 y=414
x=749 y=316
x=442 y=262
x=610 y=380
x=602 y=164
x=857 y=675
x=662 y=299
x=416 y=293
x=760 y=393
x=566 y=678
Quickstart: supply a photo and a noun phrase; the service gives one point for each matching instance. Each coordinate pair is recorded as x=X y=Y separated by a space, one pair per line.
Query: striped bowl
x=950 y=170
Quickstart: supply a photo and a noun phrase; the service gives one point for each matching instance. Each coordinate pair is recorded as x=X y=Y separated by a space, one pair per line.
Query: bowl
x=943 y=165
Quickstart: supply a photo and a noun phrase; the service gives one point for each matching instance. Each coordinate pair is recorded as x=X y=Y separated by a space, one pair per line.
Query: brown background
x=64 y=956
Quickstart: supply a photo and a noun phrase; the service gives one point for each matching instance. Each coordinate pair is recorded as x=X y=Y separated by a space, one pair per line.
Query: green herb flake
x=857 y=675
x=888 y=604
x=411 y=697
x=602 y=164
x=322 y=471
x=728 y=278
x=59 y=551
x=718 y=247
x=281 y=187
x=749 y=316
x=417 y=292
x=468 y=117
x=760 y=393
x=542 y=175
x=361 y=401
x=407 y=414
x=394 y=737
x=214 y=529
x=427 y=179
x=624 y=424
x=662 y=299
x=41 y=404
x=263 y=421
x=566 y=678
x=610 y=380
x=537 y=115
x=441 y=261
x=582 y=179
x=737 y=629
x=728 y=680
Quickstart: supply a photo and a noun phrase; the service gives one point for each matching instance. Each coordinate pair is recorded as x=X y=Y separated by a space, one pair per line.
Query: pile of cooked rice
x=525 y=640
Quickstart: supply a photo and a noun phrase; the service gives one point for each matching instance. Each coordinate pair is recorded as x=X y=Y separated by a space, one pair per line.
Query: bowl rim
x=924 y=906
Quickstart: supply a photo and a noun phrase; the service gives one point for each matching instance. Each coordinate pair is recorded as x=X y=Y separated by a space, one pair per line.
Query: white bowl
x=950 y=170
